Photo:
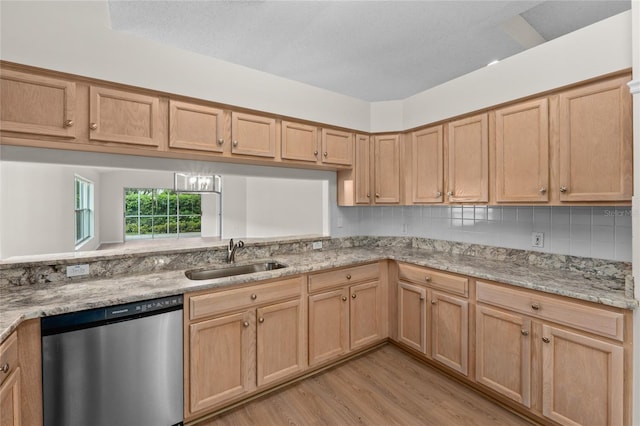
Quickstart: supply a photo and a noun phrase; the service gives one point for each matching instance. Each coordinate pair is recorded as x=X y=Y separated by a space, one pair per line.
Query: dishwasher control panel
x=143 y=307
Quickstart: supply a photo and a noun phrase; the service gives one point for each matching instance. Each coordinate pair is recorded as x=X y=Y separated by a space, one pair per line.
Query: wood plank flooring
x=383 y=387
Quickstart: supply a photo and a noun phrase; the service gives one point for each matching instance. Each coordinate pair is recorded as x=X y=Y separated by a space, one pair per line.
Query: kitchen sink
x=230 y=271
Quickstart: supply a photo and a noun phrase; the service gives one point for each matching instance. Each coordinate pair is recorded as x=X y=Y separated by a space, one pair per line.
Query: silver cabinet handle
x=93 y=126
x=344 y=298
x=315 y=152
x=427 y=278
x=377 y=195
x=68 y=123
x=563 y=189
x=325 y=154
x=438 y=194
x=348 y=276
x=543 y=190
x=450 y=193
x=220 y=141
x=433 y=302
x=260 y=320
x=524 y=332
x=546 y=339
x=245 y=324
x=254 y=296
x=235 y=143
x=353 y=296
x=535 y=306
x=5 y=367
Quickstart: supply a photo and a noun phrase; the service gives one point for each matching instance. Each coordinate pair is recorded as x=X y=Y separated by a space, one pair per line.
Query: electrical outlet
x=317 y=245
x=77 y=270
x=537 y=239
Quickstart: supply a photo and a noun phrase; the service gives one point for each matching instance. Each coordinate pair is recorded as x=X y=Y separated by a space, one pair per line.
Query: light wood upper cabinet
x=362 y=166
x=583 y=379
x=503 y=353
x=197 y=127
x=386 y=169
x=37 y=105
x=299 y=142
x=253 y=135
x=595 y=138
x=468 y=150
x=522 y=152
x=124 y=117
x=450 y=330
x=337 y=147
x=424 y=157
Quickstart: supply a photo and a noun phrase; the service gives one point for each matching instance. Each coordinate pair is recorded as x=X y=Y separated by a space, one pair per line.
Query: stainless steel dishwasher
x=120 y=365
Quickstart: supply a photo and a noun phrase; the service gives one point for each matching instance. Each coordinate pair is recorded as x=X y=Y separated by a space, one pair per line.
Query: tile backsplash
x=599 y=232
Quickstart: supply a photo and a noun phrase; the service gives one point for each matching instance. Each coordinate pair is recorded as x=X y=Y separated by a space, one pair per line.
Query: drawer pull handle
x=93 y=126
x=260 y=320
x=348 y=276
x=543 y=190
x=5 y=368
x=254 y=296
x=68 y=123
x=344 y=298
x=427 y=278
x=524 y=332
x=546 y=339
x=245 y=324
x=438 y=194
x=353 y=296
x=220 y=142
x=535 y=306
x=563 y=189
x=450 y=193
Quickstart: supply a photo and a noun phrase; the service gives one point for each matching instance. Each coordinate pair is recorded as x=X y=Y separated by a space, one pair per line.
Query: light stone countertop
x=19 y=303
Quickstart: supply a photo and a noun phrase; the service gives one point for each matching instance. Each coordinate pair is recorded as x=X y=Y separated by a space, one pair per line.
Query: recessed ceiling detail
x=371 y=50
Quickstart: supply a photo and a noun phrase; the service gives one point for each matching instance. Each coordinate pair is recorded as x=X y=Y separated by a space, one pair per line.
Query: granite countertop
x=19 y=303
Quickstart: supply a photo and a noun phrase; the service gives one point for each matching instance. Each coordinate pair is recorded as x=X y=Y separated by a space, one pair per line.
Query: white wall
x=38 y=209
x=281 y=207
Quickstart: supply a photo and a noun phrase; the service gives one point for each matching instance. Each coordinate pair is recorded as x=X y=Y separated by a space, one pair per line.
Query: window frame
x=83 y=203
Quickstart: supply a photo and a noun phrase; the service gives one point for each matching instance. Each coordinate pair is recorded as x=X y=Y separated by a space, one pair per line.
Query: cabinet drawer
x=439 y=280
x=343 y=276
x=206 y=305
x=8 y=356
x=589 y=319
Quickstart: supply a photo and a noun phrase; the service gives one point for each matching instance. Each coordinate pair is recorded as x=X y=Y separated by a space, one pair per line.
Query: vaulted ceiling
x=371 y=50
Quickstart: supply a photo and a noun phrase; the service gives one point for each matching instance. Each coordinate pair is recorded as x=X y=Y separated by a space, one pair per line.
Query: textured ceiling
x=371 y=50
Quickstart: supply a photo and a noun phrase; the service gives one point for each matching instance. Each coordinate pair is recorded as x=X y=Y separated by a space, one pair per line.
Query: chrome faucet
x=231 y=251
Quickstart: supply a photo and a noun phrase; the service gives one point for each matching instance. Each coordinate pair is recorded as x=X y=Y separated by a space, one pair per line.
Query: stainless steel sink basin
x=230 y=271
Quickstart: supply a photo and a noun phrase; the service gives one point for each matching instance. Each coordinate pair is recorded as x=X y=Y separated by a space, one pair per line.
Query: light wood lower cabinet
x=439 y=328
x=10 y=408
x=503 y=353
x=344 y=318
x=582 y=379
x=231 y=353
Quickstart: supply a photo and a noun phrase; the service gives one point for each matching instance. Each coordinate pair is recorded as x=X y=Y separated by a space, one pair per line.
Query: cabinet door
x=363 y=170
x=522 y=152
x=123 y=117
x=426 y=165
x=299 y=142
x=450 y=331
x=596 y=142
x=412 y=316
x=222 y=359
x=10 y=400
x=468 y=160
x=280 y=341
x=386 y=169
x=503 y=353
x=337 y=147
x=328 y=325
x=253 y=135
x=198 y=127
x=365 y=316
x=37 y=105
x=582 y=379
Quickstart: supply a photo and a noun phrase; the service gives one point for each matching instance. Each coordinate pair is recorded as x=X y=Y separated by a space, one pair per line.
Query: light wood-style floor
x=383 y=387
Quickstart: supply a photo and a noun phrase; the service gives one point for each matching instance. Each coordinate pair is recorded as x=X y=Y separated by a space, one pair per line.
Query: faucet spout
x=231 y=250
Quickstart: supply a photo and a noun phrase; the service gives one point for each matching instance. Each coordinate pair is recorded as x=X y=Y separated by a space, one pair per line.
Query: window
x=83 y=209
x=161 y=213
